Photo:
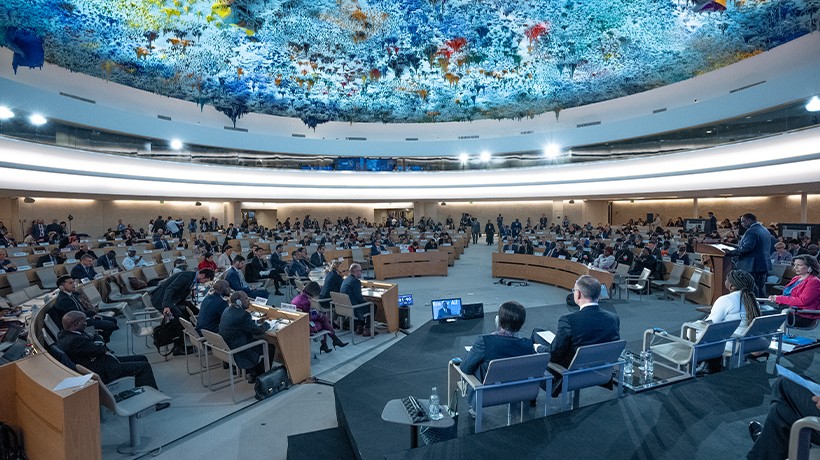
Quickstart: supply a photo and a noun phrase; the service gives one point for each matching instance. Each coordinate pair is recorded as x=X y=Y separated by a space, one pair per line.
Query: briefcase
x=272 y=381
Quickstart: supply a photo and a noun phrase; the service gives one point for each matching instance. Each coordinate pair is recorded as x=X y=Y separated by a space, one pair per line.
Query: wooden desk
x=547 y=270
x=410 y=264
x=292 y=341
x=56 y=425
x=386 y=300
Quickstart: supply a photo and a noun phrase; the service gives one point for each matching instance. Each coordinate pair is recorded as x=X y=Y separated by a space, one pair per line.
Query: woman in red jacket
x=803 y=291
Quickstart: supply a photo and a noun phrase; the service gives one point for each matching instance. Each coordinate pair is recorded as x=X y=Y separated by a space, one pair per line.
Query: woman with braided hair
x=740 y=303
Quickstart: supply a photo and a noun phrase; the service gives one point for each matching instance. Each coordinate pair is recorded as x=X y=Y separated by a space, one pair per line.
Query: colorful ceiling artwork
x=400 y=60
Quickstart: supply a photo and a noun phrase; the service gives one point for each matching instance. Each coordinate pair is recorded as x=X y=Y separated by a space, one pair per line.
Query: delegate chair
x=358 y=257
x=128 y=289
x=790 y=326
x=116 y=295
x=141 y=323
x=47 y=277
x=342 y=305
x=800 y=445
x=639 y=284
x=193 y=339
x=17 y=299
x=694 y=285
x=135 y=405
x=150 y=273
x=508 y=380
x=220 y=350
x=674 y=277
x=683 y=352
x=758 y=337
x=96 y=299
x=19 y=282
x=592 y=365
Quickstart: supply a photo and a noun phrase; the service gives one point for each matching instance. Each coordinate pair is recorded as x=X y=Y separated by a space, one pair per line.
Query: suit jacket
x=333 y=283
x=92 y=354
x=107 y=263
x=317 y=259
x=162 y=243
x=276 y=262
x=804 y=295
x=173 y=292
x=236 y=280
x=237 y=328
x=352 y=286
x=489 y=347
x=253 y=268
x=79 y=272
x=64 y=304
x=754 y=250
x=588 y=326
x=47 y=258
x=210 y=312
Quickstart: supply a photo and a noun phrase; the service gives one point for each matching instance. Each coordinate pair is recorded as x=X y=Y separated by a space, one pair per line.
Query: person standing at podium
x=754 y=251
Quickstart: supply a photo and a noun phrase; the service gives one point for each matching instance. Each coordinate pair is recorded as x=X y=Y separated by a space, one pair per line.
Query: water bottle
x=649 y=367
x=435 y=410
x=629 y=369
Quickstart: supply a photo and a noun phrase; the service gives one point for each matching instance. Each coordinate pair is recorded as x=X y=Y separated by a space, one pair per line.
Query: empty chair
x=17 y=299
x=134 y=405
x=128 y=289
x=48 y=279
x=508 y=380
x=674 y=277
x=150 y=273
x=94 y=296
x=117 y=296
x=34 y=291
x=775 y=277
x=694 y=285
x=141 y=324
x=592 y=365
x=359 y=258
x=758 y=337
x=683 y=352
x=639 y=284
x=18 y=281
x=790 y=320
x=343 y=307
x=193 y=339
x=220 y=350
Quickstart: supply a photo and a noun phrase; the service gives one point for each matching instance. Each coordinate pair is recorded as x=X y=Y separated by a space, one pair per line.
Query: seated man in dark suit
x=503 y=343
x=352 y=286
x=317 y=259
x=236 y=279
x=256 y=265
x=588 y=326
x=83 y=251
x=69 y=300
x=791 y=402
x=174 y=294
x=88 y=352
x=109 y=261
x=212 y=306
x=238 y=328
x=84 y=269
x=55 y=257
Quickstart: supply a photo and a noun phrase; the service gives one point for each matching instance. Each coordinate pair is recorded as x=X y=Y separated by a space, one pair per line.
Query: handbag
x=166 y=333
x=272 y=381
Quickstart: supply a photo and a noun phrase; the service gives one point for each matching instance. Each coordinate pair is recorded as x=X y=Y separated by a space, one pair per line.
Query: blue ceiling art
x=401 y=60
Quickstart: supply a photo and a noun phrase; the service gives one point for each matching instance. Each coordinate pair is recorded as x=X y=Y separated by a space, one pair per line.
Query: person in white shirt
x=133 y=260
x=225 y=260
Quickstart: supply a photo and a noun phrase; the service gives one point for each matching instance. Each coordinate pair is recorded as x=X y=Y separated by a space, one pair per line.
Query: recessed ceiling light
x=813 y=105
x=463 y=158
x=552 y=150
x=485 y=156
x=37 y=120
x=5 y=113
x=176 y=144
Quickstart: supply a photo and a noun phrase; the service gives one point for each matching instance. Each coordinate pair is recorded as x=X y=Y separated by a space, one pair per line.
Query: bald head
x=74 y=321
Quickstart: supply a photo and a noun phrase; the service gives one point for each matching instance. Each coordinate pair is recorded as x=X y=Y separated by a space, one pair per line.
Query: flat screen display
x=446 y=309
x=405 y=300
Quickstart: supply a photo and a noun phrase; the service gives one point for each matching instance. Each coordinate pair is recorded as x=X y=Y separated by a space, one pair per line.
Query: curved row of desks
x=547 y=270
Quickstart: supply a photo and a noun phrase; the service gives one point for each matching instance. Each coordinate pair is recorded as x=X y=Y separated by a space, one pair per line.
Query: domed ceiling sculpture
x=400 y=60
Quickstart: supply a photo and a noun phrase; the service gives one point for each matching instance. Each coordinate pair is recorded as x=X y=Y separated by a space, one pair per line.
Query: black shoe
x=324 y=348
x=250 y=378
x=278 y=292
x=337 y=342
x=755 y=428
x=161 y=406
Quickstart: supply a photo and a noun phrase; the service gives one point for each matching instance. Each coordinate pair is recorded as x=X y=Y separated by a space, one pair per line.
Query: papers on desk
x=277 y=324
x=814 y=388
x=72 y=382
x=549 y=336
x=468 y=348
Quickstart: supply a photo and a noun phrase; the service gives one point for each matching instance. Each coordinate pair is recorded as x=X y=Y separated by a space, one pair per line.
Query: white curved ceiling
x=781 y=164
x=784 y=74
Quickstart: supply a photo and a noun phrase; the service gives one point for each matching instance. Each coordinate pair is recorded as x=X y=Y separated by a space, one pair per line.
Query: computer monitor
x=446 y=309
x=405 y=300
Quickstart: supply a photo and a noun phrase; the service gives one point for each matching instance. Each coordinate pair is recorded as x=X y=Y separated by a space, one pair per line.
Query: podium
x=721 y=265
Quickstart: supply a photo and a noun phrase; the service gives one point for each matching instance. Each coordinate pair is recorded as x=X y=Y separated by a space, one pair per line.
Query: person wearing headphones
x=238 y=328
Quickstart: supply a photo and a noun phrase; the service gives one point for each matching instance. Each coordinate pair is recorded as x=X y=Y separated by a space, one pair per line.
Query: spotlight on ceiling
x=176 y=144
x=485 y=156
x=813 y=105
x=464 y=158
x=28 y=199
x=198 y=203
x=571 y=201
x=552 y=151
x=37 y=120
x=443 y=203
x=5 y=113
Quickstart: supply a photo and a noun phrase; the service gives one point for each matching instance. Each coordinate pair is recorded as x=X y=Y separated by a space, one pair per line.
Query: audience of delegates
x=803 y=291
x=318 y=321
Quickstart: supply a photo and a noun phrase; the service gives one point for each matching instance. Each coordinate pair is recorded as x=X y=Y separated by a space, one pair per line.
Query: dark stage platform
x=701 y=418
